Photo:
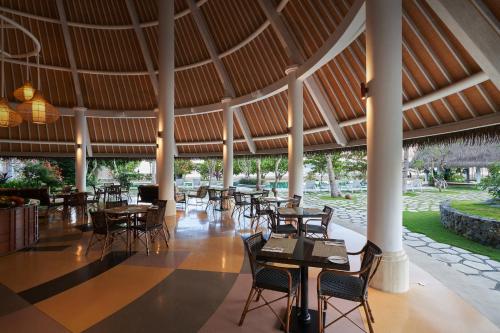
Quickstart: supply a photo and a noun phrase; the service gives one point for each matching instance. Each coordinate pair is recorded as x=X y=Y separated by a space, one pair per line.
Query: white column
x=295 y=133
x=165 y=155
x=80 y=149
x=384 y=141
x=228 y=146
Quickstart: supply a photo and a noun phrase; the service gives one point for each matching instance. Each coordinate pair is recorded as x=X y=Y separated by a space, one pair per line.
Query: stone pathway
x=470 y=264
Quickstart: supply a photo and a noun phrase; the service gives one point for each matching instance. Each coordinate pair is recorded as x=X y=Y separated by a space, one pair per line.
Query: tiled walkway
x=354 y=211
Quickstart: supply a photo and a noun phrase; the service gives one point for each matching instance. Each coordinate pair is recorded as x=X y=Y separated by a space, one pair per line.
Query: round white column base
x=170 y=209
x=393 y=273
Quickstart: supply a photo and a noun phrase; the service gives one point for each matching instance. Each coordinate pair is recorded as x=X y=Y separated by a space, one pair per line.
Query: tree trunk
x=405 y=167
x=276 y=171
x=259 y=175
x=334 y=189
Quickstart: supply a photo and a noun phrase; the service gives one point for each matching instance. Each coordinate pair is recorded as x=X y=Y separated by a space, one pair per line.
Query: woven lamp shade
x=24 y=92
x=8 y=117
x=37 y=110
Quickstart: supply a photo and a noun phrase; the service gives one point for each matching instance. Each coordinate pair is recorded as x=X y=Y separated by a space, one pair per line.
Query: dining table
x=277 y=200
x=305 y=252
x=131 y=212
x=251 y=194
x=299 y=213
x=220 y=191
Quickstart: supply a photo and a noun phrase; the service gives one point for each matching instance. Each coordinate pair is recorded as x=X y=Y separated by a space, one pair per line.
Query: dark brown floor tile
x=30 y=320
x=10 y=301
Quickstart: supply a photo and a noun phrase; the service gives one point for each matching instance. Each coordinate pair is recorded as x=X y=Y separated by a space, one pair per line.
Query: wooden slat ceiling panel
x=205 y=127
x=257 y=64
x=109 y=12
x=48 y=34
x=117 y=92
x=319 y=138
x=189 y=44
x=109 y=50
x=244 y=17
x=148 y=9
x=267 y=117
x=271 y=144
x=198 y=86
x=131 y=130
x=46 y=8
x=242 y=147
x=494 y=7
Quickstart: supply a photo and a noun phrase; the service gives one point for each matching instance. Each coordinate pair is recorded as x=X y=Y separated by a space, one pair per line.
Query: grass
x=477 y=208
x=410 y=194
x=428 y=223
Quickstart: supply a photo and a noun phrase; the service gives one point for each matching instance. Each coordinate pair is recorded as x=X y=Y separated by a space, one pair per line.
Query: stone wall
x=482 y=230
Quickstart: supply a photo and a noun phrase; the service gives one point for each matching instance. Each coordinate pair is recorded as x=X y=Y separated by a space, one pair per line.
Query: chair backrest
x=66 y=189
x=273 y=218
x=154 y=217
x=99 y=222
x=295 y=201
x=231 y=191
x=113 y=204
x=212 y=194
x=202 y=192
x=325 y=219
x=147 y=193
x=77 y=199
x=238 y=198
x=162 y=206
x=114 y=193
x=253 y=244
x=265 y=193
x=256 y=205
x=371 y=256
x=297 y=198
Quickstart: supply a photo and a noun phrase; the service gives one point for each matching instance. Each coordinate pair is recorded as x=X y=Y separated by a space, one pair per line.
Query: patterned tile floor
x=354 y=211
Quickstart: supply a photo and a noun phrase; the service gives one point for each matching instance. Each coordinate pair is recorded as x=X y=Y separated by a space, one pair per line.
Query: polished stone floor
x=199 y=283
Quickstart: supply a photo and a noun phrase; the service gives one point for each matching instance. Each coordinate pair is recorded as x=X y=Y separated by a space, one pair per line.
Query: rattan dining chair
x=352 y=286
x=240 y=204
x=200 y=194
x=152 y=228
x=276 y=228
x=104 y=230
x=267 y=277
x=213 y=200
x=261 y=213
x=312 y=230
x=79 y=202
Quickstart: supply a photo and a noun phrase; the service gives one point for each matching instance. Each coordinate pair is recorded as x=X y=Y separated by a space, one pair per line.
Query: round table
x=128 y=211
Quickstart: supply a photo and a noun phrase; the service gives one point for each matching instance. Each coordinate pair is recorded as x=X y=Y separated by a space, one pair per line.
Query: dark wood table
x=303 y=256
x=299 y=213
x=251 y=194
x=131 y=212
x=277 y=200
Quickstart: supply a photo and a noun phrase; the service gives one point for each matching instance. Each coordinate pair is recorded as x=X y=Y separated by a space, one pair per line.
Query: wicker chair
x=311 y=230
x=213 y=200
x=113 y=193
x=180 y=197
x=228 y=195
x=286 y=228
x=266 y=277
x=200 y=194
x=260 y=212
x=79 y=202
x=296 y=201
x=240 y=204
x=104 y=230
x=352 y=286
x=153 y=227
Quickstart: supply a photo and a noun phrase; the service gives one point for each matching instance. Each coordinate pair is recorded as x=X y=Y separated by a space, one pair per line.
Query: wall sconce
x=224 y=142
x=78 y=146
x=160 y=134
x=363 y=90
x=157 y=146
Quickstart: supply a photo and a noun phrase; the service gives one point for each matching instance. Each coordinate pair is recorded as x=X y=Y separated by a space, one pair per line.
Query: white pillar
x=165 y=154
x=228 y=146
x=384 y=141
x=295 y=133
x=80 y=149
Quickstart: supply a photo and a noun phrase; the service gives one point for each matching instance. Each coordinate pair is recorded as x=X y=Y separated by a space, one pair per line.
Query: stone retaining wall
x=480 y=229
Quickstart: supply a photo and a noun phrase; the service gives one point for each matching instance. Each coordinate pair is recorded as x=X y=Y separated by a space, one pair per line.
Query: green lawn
x=477 y=208
x=428 y=223
x=410 y=194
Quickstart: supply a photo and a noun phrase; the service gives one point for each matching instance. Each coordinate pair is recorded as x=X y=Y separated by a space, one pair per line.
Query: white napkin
x=273 y=235
x=273 y=249
x=337 y=259
x=334 y=243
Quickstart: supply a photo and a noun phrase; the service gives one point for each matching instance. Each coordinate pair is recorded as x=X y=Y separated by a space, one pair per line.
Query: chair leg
x=370 y=311
x=104 y=246
x=165 y=236
x=247 y=304
x=146 y=235
x=288 y=312
x=90 y=244
x=368 y=318
x=258 y=295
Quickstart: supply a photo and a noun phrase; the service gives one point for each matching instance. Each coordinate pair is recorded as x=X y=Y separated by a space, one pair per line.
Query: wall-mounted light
x=157 y=146
x=224 y=142
x=78 y=146
x=363 y=90
x=160 y=134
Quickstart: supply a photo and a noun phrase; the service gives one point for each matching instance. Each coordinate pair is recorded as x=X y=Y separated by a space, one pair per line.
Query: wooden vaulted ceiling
x=113 y=74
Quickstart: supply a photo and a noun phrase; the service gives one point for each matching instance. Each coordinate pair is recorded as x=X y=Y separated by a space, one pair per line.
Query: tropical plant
x=183 y=167
x=210 y=168
x=41 y=173
x=491 y=183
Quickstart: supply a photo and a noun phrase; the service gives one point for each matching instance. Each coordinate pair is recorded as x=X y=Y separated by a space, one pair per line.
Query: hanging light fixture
x=37 y=109
x=24 y=92
x=8 y=117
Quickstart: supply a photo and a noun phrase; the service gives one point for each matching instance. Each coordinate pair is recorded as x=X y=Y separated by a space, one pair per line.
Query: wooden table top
x=130 y=209
x=277 y=199
x=300 y=212
x=302 y=254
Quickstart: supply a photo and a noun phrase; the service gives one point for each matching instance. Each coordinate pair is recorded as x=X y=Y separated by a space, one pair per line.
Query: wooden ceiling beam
x=200 y=22
x=74 y=72
x=478 y=36
x=316 y=91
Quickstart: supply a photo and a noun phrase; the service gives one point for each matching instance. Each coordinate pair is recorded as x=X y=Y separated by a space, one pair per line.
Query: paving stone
x=450 y=251
x=493 y=275
x=427 y=239
x=414 y=234
x=428 y=250
x=439 y=245
x=459 y=250
x=449 y=258
x=410 y=238
x=471 y=257
x=414 y=243
x=478 y=265
x=465 y=269
x=493 y=263
x=480 y=256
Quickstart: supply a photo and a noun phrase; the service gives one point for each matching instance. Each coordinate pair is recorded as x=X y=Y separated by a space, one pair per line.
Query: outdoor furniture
x=128 y=214
x=311 y=230
x=77 y=201
x=113 y=193
x=229 y=195
x=251 y=194
x=276 y=200
x=296 y=201
x=266 y=277
x=103 y=231
x=304 y=252
x=265 y=193
x=261 y=211
x=352 y=286
x=199 y=195
x=113 y=204
x=286 y=229
x=214 y=200
x=96 y=197
x=180 y=198
x=153 y=227
x=299 y=213
x=240 y=204
x=147 y=193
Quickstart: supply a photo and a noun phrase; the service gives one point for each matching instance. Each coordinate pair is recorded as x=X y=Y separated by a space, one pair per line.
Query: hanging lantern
x=8 y=117
x=38 y=110
x=25 y=92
